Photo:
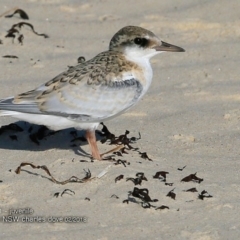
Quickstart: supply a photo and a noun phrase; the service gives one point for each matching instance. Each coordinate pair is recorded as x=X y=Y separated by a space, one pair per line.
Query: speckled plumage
x=102 y=75
x=95 y=90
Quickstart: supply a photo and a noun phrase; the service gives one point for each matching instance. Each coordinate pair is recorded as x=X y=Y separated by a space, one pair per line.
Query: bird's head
x=138 y=42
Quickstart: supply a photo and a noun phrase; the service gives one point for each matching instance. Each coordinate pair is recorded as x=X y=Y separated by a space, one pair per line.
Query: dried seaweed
x=144 y=156
x=146 y=205
x=120 y=140
x=161 y=175
x=168 y=184
x=118 y=178
x=21 y=12
x=162 y=207
x=106 y=133
x=72 y=179
x=67 y=191
x=120 y=161
x=139 y=178
x=136 y=181
x=20 y=39
x=11 y=33
x=10 y=56
x=191 y=190
x=142 y=194
x=123 y=139
x=180 y=169
x=56 y=194
x=114 y=196
x=134 y=139
x=204 y=194
x=141 y=175
x=193 y=178
x=171 y=194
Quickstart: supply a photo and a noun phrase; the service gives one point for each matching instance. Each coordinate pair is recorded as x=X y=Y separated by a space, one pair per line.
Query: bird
x=93 y=91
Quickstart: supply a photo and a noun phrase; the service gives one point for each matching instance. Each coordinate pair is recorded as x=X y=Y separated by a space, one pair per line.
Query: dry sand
x=190 y=116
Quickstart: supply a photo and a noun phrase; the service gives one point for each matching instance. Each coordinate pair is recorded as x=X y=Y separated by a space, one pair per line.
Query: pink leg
x=91 y=138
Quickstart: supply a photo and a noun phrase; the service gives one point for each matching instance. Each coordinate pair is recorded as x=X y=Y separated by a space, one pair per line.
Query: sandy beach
x=188 y=123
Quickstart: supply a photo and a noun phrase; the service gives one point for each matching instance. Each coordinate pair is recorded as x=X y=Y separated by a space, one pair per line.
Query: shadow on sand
x=29 y=137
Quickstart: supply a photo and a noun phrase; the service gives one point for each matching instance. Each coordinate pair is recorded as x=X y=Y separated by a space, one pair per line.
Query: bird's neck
x=144 y=64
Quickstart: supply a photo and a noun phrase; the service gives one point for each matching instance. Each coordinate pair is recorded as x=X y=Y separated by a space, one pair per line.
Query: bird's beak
x=169 y=48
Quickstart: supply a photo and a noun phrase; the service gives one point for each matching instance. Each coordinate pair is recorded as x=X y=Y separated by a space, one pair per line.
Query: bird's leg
x=113 y=150
x=91 y=138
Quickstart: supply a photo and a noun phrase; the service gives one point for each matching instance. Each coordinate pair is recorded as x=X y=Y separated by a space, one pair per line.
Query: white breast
x=145 y=65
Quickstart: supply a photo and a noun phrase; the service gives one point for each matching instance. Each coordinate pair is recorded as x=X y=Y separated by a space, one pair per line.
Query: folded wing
x=83 y=93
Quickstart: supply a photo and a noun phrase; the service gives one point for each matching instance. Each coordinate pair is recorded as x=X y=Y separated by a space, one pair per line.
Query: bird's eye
x=138 y=41
x=141 y=41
